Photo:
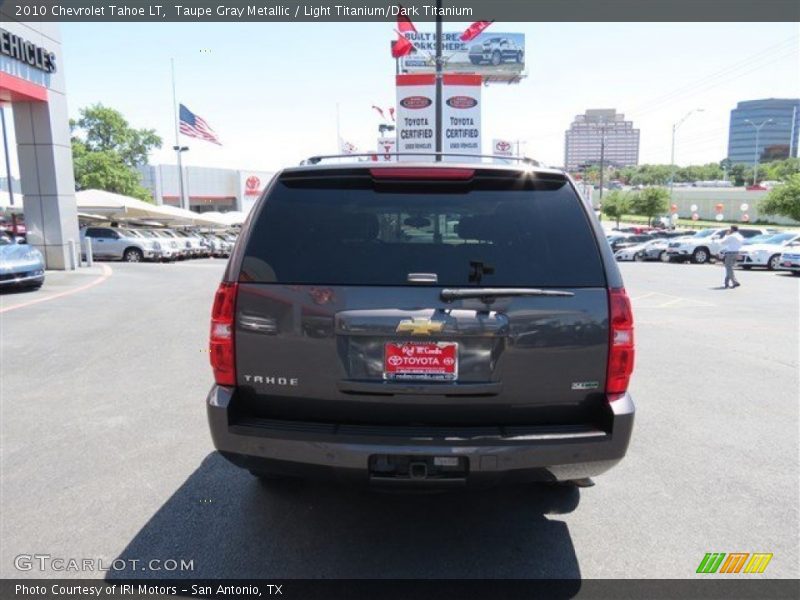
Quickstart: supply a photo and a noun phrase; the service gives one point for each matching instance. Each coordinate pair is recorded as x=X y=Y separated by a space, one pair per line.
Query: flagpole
x=177 y=147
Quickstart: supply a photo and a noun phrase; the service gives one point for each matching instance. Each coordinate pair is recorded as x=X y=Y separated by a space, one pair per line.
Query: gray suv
x=422 y=324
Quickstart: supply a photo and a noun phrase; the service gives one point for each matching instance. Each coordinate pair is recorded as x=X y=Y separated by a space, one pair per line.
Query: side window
x=111 y=234
x=748 y=233
x=90 y=232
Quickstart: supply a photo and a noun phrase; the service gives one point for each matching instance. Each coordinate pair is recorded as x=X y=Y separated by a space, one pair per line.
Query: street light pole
x=438 y=80
x=755 y=152
x=602 y=155
x=672 y=155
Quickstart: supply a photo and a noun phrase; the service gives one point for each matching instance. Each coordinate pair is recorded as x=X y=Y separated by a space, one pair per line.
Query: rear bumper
x=343 y=452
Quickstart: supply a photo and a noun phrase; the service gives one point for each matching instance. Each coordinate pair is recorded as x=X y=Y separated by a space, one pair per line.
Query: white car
x=790 y=258
x=705 y=244
x=766 y=252
x=652 y=250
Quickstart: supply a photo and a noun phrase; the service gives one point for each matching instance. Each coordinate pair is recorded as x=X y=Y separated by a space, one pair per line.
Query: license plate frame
x=420 y=361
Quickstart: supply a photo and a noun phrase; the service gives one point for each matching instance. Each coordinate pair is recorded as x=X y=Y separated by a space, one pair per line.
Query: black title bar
x=204 y=11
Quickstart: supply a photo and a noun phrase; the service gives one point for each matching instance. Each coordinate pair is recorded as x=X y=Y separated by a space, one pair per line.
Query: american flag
x=196 y=127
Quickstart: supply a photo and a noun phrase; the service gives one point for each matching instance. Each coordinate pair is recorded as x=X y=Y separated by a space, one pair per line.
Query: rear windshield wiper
x=489 y=294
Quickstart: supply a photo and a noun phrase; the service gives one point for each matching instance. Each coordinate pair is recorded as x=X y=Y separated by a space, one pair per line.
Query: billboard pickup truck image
x=496 y=51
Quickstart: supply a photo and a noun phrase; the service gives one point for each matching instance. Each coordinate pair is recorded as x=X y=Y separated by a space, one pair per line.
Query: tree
x=650 y=202
x=740 y=174
x=616 y=205
x=783 y=199
x=106 y=151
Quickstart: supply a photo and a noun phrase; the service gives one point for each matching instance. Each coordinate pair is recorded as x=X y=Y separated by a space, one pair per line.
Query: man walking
x=731 y=244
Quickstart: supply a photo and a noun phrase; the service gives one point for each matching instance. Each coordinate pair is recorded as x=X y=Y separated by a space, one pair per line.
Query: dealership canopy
x=125 y=208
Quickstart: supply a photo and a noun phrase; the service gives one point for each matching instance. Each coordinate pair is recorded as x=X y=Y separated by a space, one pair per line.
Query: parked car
x=169 y=248
x=169 y=238
x=20 y=265
x=115 y=243
x=790 y=258
x=629 y=240
x=654 y=249
x=705 y=244
x=767 y=252
x=497 y=349
x=194 y=243
x=495 y=51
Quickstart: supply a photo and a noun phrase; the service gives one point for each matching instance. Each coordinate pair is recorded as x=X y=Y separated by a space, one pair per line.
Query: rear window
x=352 y=231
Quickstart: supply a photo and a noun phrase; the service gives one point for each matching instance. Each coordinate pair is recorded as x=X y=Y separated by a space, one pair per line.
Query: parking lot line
x=107 y=271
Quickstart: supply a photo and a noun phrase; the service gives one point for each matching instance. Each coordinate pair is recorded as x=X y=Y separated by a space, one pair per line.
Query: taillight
x=621 y=351
x=223 y=358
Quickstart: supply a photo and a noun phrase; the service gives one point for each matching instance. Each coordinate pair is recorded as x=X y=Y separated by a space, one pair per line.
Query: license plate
x=436 y=361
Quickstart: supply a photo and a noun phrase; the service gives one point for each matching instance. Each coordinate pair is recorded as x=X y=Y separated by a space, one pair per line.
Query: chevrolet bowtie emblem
x=419 y=326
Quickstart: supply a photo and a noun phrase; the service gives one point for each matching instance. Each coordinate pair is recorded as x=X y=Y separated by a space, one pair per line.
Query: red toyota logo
x=503 y=146
x=253 y=183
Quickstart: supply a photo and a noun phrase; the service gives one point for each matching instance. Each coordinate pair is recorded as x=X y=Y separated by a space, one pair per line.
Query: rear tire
x=133 y=255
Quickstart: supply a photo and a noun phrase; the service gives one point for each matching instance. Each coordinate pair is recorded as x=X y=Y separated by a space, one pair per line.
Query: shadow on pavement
x=234 y=526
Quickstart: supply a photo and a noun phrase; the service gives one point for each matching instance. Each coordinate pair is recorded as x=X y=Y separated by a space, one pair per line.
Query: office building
x=584 y=139
x=777 y=122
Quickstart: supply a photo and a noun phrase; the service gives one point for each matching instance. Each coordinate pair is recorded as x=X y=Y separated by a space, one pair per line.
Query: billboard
x=495 y=56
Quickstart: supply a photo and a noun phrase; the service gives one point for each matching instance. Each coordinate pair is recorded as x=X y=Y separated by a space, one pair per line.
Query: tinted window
x=346 y=232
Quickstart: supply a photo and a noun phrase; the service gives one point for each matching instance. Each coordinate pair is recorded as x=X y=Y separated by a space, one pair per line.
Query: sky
x=271 y=91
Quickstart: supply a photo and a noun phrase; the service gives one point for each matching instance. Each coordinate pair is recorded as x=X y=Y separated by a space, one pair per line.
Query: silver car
x=20 y=265
x=114 y=243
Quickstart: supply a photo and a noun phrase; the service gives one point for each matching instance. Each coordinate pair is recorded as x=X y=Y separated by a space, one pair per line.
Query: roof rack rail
x=315 y=160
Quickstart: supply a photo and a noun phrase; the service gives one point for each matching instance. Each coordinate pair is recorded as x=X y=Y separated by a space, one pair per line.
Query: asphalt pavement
x=106 y=453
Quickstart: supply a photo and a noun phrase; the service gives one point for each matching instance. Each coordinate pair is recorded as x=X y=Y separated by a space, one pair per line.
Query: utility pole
x=602 y=154
x=793 y=129
x=439 y=80
x=672 y=155
x=755 y=152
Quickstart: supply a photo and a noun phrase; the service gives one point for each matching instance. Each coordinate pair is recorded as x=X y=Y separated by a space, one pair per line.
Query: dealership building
x=601 y=130
x=205 y=188
x=32 y=85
